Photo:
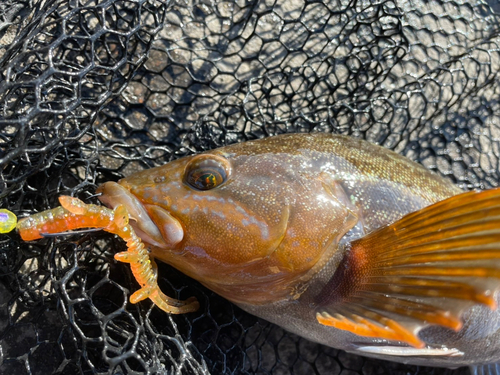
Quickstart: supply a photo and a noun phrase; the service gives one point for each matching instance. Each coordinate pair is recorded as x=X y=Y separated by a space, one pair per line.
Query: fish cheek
x=313 y=234
x=229 y=240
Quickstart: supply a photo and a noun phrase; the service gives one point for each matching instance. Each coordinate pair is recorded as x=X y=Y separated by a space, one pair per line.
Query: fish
x=333 y=238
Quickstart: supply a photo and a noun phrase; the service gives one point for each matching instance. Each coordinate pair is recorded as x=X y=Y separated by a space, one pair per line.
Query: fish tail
x=424 y=269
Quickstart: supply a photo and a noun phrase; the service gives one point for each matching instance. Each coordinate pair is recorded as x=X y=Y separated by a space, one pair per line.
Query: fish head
x=245 y=221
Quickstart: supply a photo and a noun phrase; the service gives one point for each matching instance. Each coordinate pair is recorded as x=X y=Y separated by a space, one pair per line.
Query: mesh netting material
x=93 y=91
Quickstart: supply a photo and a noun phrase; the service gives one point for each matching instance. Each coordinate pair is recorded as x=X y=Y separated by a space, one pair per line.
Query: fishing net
x=91 y=91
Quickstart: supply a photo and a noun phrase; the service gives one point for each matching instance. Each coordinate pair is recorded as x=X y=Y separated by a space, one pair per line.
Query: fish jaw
x=152 y=224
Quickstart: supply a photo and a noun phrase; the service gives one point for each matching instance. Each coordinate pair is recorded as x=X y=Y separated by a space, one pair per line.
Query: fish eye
x=206 y=172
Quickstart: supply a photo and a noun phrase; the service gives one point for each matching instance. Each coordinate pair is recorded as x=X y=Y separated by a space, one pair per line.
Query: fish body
x=333 y=238
x=287 y=204
x=267 y=224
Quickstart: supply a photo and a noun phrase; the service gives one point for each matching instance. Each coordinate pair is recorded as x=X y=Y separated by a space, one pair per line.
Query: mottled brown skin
x=271 y=236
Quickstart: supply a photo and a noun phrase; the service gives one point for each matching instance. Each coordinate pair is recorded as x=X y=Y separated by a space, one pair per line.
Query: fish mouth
x=153 y=224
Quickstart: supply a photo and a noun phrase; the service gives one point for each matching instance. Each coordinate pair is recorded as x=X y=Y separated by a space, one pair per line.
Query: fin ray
x=404 y=351
x=411 y=309
x=465 y=243
x=455 y=290
x=394 y=281
x=375 y=326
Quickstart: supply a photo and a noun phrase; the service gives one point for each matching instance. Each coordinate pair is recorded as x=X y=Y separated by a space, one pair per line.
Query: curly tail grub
x=75 y=214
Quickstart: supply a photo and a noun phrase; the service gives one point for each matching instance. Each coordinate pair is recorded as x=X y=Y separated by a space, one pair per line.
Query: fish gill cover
x=91 y=91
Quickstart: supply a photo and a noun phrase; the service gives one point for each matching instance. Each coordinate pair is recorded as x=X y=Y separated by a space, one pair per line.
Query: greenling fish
x=333 y=238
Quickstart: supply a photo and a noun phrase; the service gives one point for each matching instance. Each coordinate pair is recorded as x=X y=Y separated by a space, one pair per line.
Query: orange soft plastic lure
x=75 y=214
x=333 y=238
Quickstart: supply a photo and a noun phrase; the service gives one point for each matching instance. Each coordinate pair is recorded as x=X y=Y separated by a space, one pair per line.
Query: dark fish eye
x=206 y=178
x=206 y=172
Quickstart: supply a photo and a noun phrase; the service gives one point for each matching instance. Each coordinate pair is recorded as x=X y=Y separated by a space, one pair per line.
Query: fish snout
x=153 y=224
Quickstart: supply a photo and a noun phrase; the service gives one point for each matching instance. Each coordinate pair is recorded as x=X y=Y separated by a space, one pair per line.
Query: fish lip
x=170 y=227
x=114 y=194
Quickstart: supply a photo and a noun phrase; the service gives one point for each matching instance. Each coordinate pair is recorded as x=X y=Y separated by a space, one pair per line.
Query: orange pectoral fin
x=424 y=269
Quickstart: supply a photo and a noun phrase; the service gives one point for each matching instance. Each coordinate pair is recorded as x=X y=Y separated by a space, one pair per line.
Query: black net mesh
x=91 y=91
